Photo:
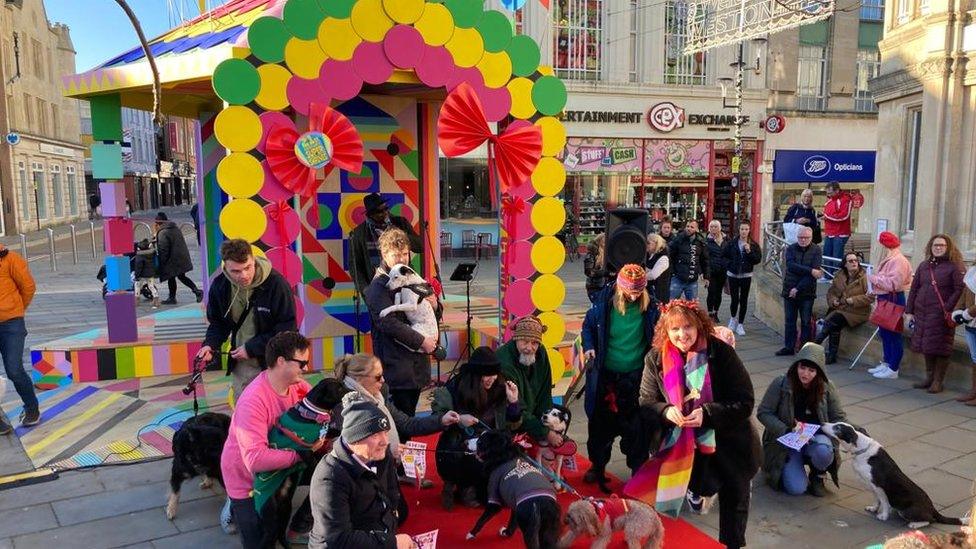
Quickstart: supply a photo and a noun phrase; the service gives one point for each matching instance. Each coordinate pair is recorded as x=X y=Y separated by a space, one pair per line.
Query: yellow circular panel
x=404 y=11
x=548 y=216
x=436 y=25
x=549 y=177
x=553 y=135
x=338 y=39
x=304 y=57
x=274 y=79
x=257 y=252
x=467 y=47
x=555 y=328
x=546 y=70
x=243 y=218
x=496 y=68
x=240 y=175
x=521 y=91
x=557 y=363
x=370 y=20
x=238 y=128
x=548 y=254
x=548 y=292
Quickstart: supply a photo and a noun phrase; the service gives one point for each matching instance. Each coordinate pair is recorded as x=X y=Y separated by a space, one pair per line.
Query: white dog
x=411 y=299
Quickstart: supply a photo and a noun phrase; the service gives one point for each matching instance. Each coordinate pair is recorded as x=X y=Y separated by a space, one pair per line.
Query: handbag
x=946 y=316
x=888 y=315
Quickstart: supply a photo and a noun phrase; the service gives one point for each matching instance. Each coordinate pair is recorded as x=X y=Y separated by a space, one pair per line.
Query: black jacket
x=596 y=275
x=144 y=264
x=799 y=262
x=273 y=306
x=353 y=507
x=798 y=210
x=403 y=366
x=174 y=257
x=360 y=267
x=689 y=257
x=716 y=255
x=739 y=263
x=736 y=442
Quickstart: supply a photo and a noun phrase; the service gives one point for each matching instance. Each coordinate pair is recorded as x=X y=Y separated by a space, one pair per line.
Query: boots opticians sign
x=666 y=117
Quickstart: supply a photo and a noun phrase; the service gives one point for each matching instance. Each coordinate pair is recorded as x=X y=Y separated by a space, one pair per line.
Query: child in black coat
x=144 y=270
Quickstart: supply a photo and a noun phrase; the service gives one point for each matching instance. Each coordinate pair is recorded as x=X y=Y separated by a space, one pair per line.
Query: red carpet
x=427 y=514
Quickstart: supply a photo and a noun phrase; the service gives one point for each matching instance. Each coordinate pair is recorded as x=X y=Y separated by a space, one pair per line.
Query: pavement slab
x=120 y=529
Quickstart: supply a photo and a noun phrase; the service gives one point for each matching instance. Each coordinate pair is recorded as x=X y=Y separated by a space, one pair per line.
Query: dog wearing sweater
x=600 y=518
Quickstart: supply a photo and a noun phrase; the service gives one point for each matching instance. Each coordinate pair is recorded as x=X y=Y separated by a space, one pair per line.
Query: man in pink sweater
x=246 y=451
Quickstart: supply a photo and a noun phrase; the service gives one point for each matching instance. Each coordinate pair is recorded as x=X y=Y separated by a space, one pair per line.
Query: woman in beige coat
x=849 y=303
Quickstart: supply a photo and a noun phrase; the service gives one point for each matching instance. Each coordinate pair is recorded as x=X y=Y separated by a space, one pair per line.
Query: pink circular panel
x=521 y=224
x=287 y=263
x=520 y=260
x=404 y=46
x=301 y=92
x=338 y=80
x=280 y=232
x=270 y=119
x=497 y=102
x=518 y=298
x=371 y=63
x=471 y=75
x=272 y=190
x=436 y=66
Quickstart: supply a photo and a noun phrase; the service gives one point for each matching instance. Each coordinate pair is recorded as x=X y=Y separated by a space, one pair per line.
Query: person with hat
x=526 y=363
x=802 y=395
x=485 y=400
x=364 y=252
x=354 y=492
x=849 y=303
x=174 y=258
x=617 y=333
x=889 y=281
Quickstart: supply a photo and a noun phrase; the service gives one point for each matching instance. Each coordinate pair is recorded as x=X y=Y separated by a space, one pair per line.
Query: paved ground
x=930 y=436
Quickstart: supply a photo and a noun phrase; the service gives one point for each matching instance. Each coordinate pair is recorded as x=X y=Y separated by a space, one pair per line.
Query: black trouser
x=834 y=324
x=406 y=400
x=171 y=282
x=255 y=534
x=739 y=296
x=716 y=283
x=538 y=518
x=710 y=476
x=606 y=424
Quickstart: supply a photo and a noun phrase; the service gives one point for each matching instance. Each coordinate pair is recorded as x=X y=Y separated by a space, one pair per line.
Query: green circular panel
x=267 y=37
x=525 y=55
x=467 y=13
x=496 y=30
x=340 y=9
x=236 y=81
x=549 y=95
x=326 y=217
x=302 y=17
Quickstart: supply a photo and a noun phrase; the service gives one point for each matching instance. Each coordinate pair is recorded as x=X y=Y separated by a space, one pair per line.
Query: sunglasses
x=303 y=364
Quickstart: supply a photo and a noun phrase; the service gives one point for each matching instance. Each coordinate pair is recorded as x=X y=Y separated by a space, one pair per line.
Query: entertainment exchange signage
x=713 y=23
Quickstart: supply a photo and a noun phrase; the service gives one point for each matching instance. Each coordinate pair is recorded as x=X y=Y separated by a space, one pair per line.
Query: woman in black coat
x=174 y=258
x=741 y=255
x=720 y=406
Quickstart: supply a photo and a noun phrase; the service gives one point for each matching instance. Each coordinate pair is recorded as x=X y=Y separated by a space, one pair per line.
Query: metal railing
x=774 y=248
x=52 y=252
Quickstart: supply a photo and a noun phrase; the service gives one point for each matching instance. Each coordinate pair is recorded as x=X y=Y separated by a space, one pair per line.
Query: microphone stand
x=356 y=343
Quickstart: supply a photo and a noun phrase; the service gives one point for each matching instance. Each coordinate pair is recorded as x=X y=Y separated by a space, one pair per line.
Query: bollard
x=51 y=250
x=74 y=243
x=23 y=246
x=91 y=228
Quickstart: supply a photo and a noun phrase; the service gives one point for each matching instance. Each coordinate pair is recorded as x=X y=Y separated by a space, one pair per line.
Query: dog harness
x=612 y=508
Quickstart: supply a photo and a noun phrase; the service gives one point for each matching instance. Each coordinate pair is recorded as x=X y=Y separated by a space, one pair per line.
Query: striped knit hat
x=632 y=277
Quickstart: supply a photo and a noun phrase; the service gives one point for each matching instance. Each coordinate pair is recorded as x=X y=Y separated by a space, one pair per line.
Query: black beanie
x=483 y=362
x=361 y=418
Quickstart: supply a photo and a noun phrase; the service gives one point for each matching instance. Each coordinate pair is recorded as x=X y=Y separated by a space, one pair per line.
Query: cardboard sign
x=427 y=540
x=414 y=459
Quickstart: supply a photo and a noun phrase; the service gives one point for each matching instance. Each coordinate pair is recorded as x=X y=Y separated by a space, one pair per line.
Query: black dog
x=196 y=451
x=515 y=483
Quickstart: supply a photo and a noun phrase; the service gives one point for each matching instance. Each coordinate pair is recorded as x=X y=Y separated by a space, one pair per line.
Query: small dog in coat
x=197 y=446
x=557 y=419
x=411 y=296
x=892 y=488
x=600 y=518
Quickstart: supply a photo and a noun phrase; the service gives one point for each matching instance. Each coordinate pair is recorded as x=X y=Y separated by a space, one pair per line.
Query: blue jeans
x=689 y=289
x=971 y=340
x=819 y=453
x=13 y=332
x=792 y=307
x=834 y=247
x=892 y=344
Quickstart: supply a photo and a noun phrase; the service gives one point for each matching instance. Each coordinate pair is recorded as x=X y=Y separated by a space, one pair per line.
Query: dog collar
x=859 y=452
x=312 y=413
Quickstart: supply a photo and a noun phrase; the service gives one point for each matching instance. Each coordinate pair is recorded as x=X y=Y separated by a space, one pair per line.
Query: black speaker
x=627 y=230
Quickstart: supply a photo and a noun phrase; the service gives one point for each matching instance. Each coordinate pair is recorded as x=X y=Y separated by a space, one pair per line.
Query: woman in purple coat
x=935 y=291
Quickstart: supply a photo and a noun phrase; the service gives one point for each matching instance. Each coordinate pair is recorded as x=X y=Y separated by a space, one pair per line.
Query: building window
x=872 y=10
x=25 y=190
x=38 y=58
x=635 y=57
x=42 y=116
x=55 y=122
x=911 y=170
x=810 y=71
x=904 y=10
x=28 y=112
x=72 y=190
x=40 y=189
x=680 y=68
x=57 y=191
x=578 y=38
x=868 y=65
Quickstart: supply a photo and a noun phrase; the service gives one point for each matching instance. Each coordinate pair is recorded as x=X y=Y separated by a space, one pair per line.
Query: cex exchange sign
x=665 y=117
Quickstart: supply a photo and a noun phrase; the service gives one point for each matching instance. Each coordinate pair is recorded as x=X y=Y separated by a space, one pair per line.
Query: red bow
x=511 y=206
x=463 y=127
x=277 y=212
x=292 y=173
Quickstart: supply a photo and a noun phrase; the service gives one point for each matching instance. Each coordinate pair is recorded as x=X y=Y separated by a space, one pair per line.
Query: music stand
x=465 y=272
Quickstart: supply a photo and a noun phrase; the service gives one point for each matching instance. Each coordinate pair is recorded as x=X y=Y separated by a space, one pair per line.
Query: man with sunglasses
x=364 y=253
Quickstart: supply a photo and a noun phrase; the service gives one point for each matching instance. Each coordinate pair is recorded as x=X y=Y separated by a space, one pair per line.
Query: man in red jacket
x=837 y=223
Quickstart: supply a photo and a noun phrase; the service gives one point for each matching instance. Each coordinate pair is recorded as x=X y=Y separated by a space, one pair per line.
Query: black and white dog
x=892 y=488
x=557 y=420
x=197 y=446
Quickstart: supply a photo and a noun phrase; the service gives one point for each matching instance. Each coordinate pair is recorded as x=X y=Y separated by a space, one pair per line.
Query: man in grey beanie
x=354 y=490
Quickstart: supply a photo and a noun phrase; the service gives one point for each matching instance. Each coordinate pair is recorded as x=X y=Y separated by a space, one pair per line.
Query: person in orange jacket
x=16 y=293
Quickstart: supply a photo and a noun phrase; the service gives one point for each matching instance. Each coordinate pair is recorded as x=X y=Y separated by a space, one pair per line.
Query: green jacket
x=534 y=385
x=267 y=483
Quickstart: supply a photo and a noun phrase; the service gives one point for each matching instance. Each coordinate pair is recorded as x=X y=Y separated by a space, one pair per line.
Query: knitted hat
x=483 y=362
x=374 y=203
x=361 y=418
x=813 y=355
x=632 y=277
x=889 y=240
x=529 y=327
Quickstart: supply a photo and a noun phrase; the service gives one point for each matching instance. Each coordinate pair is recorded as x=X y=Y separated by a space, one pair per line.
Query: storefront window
x=578 y=40
x=25 y=191
x=465 y=189
x=40 y=188
x=56 y=189
x=785 y=195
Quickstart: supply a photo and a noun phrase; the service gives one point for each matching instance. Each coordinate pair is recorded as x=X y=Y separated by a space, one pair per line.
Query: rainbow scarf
x=663 y=480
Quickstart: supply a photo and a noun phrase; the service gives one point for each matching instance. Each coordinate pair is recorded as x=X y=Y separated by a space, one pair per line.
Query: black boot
x=833 y=343
x=816 y=487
